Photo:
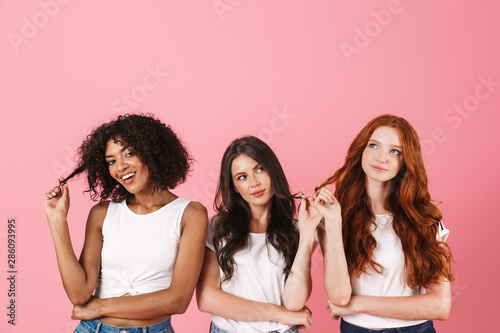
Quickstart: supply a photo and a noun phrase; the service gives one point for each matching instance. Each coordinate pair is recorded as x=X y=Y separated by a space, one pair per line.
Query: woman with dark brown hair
x=257 y=272
x=393 y=236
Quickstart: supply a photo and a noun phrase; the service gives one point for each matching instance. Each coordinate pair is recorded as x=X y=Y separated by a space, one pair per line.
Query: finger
x=55 y=192
x=326 y=193
x=310 y=320
x=327 y=189
x=52 y=194
x=302 y=206
x=323 y=198
x=304 y=195
x=321 y=182
x=62 y=182
x=336 y=317
x=64 y=190
x=321 y=204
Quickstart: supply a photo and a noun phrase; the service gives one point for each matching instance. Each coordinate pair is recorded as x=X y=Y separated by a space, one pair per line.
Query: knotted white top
x=139 y=251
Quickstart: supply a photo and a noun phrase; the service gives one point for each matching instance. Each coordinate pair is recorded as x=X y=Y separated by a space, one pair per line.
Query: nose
x=382 y=157
x=121 y=165
x=254 y=181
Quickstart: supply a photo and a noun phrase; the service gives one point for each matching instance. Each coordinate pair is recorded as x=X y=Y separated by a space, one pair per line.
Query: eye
x=260 y=169
x=129 y=153
x=110 y=162
x=395 y=152
x=242 y=177
x=372 y=145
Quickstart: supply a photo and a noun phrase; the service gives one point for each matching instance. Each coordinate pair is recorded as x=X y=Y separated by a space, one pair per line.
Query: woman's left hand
x=90 y=310
x=338 y=311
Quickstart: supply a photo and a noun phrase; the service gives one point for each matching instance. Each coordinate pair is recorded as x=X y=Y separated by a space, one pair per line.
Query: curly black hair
x=154 y=143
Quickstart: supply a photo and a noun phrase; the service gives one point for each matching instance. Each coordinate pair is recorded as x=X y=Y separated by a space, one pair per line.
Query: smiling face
x=126 y=167
x=383 y=155
x=251 y=181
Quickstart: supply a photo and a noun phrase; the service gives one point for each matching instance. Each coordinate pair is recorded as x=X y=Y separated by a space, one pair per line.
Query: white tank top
x=389 y=253
x=139 y=251
x=258 y=276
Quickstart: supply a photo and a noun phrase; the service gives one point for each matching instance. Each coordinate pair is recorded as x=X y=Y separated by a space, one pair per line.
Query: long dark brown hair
x=415 y=218
x=232 y=222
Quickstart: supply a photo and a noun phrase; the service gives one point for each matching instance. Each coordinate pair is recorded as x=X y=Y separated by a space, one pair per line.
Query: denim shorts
x=426 y=327
x=96 y=326
x=215 y=329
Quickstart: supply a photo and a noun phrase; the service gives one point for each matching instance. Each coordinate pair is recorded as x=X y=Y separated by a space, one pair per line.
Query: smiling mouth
x=258 y=193
x=378 y=168
x=128 y=177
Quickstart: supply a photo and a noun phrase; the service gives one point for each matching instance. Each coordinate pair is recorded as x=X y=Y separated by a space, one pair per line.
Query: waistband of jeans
x=404 y=329
x=98 y=326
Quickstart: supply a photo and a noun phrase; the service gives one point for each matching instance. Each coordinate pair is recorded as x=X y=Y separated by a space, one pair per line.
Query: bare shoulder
x=195 y=213
x=98 y=213
x=99 y=209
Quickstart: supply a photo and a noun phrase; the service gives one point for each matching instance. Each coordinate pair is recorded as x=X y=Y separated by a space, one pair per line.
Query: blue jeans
x=426 y=327
x=96 y=326
x=215 y=329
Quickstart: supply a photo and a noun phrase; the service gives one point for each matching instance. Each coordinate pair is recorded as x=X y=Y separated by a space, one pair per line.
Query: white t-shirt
x=259 y=277
x=389 y=254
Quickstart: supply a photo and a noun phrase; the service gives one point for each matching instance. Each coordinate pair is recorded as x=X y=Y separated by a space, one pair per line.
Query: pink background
x=303 y=76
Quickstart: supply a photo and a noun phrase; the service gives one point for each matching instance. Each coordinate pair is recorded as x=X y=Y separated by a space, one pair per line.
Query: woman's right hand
x=302 y=319
x=56 y=202
x=327 y=204
x=309 y=217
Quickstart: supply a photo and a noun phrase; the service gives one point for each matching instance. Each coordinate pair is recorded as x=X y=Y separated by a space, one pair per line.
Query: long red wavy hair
x=415 y=218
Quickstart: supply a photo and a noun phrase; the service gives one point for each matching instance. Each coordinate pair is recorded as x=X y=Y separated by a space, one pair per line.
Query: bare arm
x=212 y=299
x=337 y=282
x=298 y=285
x=435 y=304
x=79 y=277
x=172 y=300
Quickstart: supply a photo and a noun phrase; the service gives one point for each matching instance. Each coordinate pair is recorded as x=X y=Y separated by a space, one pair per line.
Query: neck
x=378 y=193
x=147 y=200
x=260 y=218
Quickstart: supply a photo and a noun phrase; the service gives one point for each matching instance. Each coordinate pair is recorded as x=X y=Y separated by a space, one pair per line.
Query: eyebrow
x=122 y=150
x=242 y=172
x=397 y=146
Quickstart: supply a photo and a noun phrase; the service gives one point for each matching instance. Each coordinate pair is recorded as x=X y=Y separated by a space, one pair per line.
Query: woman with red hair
x=393 y=236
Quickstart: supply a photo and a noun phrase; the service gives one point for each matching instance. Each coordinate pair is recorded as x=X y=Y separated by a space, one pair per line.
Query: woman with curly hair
x=256 y=275
x=393 y=235
x=145 y=243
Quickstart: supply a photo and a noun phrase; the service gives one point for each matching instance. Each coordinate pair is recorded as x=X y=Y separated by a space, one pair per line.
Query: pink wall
x=304 y=76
